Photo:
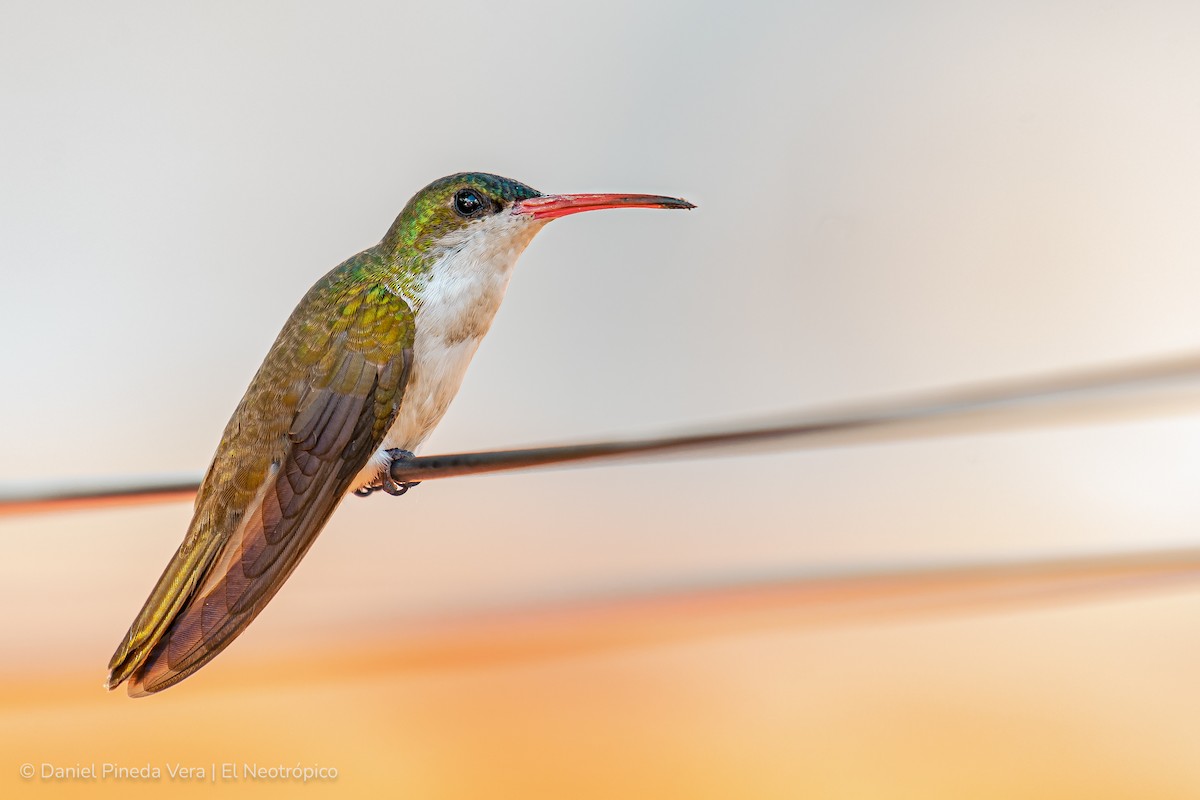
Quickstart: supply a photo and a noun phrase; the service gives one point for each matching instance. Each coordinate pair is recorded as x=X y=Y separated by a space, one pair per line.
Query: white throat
x=454 y=307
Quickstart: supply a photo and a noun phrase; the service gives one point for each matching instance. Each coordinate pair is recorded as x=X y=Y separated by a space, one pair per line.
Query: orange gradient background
x=889 y=200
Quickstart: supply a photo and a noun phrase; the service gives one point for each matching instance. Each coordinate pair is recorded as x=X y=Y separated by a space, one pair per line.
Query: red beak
x=553 y=206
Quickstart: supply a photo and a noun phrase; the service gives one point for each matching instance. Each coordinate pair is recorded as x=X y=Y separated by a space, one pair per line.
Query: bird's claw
x=385 y=482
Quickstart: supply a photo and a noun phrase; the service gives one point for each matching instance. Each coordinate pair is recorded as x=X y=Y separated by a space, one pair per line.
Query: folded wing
x=286 y=460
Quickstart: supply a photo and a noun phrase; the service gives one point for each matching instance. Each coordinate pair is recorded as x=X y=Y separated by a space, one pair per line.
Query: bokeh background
x=891 y=198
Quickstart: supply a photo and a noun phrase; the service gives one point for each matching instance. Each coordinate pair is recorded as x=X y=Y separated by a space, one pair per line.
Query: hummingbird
x=363 y=370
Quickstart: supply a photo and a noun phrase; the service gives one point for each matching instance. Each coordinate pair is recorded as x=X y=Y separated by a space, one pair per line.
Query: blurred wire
x=1072 y=398
x=737 y=605
x=110 y=494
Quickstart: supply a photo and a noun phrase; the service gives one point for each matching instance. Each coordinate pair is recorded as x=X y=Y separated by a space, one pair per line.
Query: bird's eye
x=467 y=202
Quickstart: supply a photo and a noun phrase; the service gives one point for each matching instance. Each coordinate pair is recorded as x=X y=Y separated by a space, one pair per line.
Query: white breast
x=454 y=308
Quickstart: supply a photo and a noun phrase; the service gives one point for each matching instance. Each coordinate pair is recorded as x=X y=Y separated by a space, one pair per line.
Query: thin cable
x=950 y=412
x=977 y=408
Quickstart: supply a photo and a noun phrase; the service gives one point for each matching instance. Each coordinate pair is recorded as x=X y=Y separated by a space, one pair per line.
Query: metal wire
x=1071 y=398
x=977 y=408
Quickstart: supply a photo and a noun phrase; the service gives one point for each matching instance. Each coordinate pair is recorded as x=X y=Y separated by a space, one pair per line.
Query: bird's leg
x=385 y=482
x=389 y=485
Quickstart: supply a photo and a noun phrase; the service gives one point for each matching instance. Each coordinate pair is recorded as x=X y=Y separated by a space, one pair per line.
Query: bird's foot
x=385 y=483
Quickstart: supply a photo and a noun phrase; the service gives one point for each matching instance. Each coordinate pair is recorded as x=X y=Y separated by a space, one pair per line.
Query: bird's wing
x=315 y=413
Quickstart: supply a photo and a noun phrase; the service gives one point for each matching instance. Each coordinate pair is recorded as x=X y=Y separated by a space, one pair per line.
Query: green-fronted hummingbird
x=362 y=371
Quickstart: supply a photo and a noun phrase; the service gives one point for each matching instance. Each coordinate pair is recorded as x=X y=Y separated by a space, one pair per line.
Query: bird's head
x=489 y=219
